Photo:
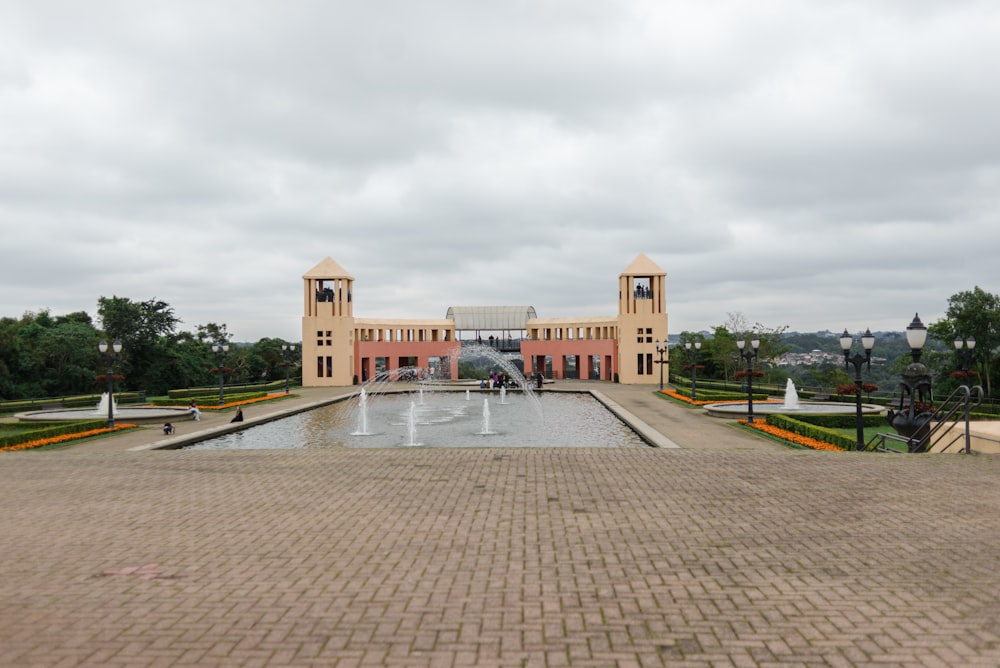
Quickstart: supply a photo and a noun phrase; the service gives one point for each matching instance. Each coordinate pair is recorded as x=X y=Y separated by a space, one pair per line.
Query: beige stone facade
x=339 y=349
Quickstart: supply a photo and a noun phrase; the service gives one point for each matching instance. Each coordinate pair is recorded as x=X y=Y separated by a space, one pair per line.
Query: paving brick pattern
x=494 y=557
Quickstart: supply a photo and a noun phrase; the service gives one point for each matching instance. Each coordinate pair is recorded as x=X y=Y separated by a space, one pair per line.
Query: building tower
x=328 y=326
x=642 y=320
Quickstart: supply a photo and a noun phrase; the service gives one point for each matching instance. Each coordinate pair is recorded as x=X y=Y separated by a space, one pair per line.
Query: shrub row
x=802 y=428
x=50 y=429
x=78 y=401
x=189 y=393
x=208 y=399
x=844 y=421
x=718 y=395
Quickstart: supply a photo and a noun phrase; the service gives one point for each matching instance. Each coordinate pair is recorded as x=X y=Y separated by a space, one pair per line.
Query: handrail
x=960 y=399
x=963 y=402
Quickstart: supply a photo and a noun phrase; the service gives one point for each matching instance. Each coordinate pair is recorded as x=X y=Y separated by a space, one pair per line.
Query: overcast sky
x=818 y=165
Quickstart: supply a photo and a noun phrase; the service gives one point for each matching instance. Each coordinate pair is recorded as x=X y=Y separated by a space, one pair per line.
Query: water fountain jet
x=791 y=396
x=486 y=418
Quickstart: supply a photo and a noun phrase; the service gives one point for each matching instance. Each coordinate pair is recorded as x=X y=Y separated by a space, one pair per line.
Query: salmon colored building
x=340 y=349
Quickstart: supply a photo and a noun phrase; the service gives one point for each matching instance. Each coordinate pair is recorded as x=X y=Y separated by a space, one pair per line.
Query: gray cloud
x=818 y=166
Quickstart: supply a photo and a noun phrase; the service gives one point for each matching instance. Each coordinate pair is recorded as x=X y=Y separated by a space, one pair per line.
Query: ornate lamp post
x=660 y=350
x=966 y=354
x=286 y=353
x=693 y=359
x=911 y=420
x=110 y=357
x=749 y=355
x=220 y=350
x=867 y=342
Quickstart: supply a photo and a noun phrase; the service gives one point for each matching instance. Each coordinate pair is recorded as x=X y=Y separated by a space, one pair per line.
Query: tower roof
x=643 y=266
x=328 y=269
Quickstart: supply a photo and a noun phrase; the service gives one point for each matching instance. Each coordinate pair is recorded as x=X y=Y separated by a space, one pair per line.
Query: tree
x=973 y=313
x=140 y=326
x=213 y=333
x=724 y=353
x=721 y=360
x=66 y=355
x=273 y=357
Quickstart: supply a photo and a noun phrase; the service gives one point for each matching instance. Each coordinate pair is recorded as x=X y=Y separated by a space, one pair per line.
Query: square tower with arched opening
x=328 y=326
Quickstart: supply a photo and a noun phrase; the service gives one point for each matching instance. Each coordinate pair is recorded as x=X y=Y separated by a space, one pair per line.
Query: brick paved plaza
x=726 y=551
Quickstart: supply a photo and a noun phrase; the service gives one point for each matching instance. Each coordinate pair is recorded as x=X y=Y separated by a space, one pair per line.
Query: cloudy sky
x=818 y=165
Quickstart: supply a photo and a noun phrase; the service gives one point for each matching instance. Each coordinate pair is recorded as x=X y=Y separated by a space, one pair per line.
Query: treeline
x=42 y=355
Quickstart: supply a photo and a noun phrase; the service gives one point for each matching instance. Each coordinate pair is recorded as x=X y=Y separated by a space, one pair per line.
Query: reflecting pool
x=443 y=420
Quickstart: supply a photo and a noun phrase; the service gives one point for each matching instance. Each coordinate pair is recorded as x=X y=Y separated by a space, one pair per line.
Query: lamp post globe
x=916 y=337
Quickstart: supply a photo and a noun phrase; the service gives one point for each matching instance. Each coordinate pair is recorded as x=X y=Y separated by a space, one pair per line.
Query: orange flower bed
x=791 y=436
x=233 y=404
x=41 y=442
x=680 y=397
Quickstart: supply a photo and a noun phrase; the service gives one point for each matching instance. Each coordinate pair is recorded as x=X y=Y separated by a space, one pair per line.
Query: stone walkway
x=726 y=551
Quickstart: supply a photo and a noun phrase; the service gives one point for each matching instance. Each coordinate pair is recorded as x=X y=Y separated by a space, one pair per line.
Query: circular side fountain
x=790 y=406
x=740 y=409
x=137 y=414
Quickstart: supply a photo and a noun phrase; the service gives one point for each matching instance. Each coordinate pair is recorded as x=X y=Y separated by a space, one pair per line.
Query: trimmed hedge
x=844 y=421
x=208 y=399
x=189 y=393
x=78 y=401
x=718 y=395
x=50 y=429
x=802 y=428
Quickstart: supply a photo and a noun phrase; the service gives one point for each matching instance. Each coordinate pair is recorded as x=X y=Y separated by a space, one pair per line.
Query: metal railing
x=944 y=419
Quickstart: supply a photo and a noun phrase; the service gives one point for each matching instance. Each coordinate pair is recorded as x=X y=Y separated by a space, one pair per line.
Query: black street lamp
x=867 y=342
x=286 y=353
x=749 y=355
x=660 y=350
x=220 y=350
x=965 y=354
x=110 y=356
x=915 y=388
x=693 y=358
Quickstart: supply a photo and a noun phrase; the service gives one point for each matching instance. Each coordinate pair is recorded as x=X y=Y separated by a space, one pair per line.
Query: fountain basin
x=137 y=415
x=739 y=409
